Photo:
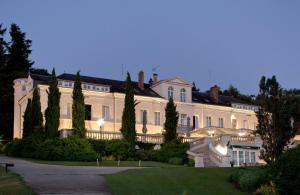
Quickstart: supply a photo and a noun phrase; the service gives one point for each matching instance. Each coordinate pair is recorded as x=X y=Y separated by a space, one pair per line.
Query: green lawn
x=107 y=163
x=173 y=180
x=11 y=183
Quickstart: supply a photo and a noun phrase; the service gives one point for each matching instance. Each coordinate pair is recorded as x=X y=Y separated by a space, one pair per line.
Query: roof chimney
x=214 y=93
x=155 y=77
x=141 y=80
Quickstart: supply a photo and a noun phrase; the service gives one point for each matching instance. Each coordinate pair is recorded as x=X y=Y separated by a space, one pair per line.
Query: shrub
x=285 y=172
x=98 y=146
x=175 y=161
x=145 y=146
x=142 y=154
x=250 y=178
x=191 y=163
x=119 y=149
x=170 y=150
x=267 y=189
x=71 y=148
x=14 y=148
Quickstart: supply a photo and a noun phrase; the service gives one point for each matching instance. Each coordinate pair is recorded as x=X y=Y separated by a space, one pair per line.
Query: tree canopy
x=274 y=119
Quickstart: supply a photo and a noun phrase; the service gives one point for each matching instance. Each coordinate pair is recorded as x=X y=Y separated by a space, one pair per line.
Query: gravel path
x=58 y=179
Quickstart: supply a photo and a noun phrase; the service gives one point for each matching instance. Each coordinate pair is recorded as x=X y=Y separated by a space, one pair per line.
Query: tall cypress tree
x=171 y=121
x=4 y=86
x=274 y=119
x=128 y=117
x=52 y=113
x=17 y=65
x=78 y=108
x=27 y=122
x=37 y=116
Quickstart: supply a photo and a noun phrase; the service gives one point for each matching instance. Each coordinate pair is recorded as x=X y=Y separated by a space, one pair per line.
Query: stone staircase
x=206 y=159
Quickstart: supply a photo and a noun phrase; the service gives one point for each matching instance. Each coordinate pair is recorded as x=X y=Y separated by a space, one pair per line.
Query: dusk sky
x=209 y=42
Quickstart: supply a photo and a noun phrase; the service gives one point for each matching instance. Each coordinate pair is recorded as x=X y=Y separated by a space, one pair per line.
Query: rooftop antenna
x=122 y=70
x=155 y=68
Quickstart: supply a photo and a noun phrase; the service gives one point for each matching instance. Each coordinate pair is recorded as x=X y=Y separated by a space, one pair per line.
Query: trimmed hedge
x=72 y=148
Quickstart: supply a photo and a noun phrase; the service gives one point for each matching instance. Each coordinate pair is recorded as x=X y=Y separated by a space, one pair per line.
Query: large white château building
x=217 y=126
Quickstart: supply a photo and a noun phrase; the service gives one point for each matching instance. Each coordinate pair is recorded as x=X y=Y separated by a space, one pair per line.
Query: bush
x=175 y=161
x=285 y=172
x=14 y=148
x=171 y=150
x=191 y=163
x=119 y=149
x=71 y=148
x=143 y=154
x=98 y=146
x=250 y=178
x=267 y=189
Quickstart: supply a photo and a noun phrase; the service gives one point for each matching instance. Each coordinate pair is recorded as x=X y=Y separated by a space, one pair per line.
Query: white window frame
x=170 y=92
x=182 y=95
x=157 y=118
x=221 y=122
x=105 y=113
x=208 y=121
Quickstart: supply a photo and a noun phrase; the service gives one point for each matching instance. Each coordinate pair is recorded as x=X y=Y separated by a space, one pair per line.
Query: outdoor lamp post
x=101 y=123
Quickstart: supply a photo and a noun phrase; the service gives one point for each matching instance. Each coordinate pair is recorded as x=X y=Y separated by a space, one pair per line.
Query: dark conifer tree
x=27 y=122
x=128 y=117
x=17 y=65
x=37 y=116
x=78 y=109
x=194 y=87
x=171 y=121
x=52 y=113
x=274 y=119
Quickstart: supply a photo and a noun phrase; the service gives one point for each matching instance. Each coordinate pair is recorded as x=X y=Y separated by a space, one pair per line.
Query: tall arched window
x=170 y=92
x=182 y=95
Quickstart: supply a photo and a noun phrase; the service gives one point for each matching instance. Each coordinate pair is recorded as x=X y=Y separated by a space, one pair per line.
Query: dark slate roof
x=119 y=86
x=201 y=97
x=40 y=79
x=115 y=85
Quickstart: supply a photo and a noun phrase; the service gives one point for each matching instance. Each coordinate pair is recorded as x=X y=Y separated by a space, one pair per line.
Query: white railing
x=239 y=139
x=140 y=137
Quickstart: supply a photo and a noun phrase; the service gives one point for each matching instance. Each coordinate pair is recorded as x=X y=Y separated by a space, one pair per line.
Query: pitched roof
x=119 y=86
x=201 y=97
x=115 y=85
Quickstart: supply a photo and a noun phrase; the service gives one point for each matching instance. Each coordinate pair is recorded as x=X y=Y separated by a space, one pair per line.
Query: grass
x=179 y=180
x=106 y=163
x=11 y=183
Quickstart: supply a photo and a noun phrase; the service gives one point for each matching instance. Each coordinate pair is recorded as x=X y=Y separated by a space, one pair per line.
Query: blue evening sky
x=210 y=42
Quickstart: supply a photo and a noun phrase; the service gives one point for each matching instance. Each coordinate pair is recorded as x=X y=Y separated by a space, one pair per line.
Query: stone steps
x=206 y=159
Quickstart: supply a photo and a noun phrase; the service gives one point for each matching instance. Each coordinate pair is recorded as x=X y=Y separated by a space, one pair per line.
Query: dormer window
x=182 y=95
x=170 y=92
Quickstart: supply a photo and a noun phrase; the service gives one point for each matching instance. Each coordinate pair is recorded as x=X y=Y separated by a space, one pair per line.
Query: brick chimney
x=155 y=77
x=214 y=93
x=141 y=80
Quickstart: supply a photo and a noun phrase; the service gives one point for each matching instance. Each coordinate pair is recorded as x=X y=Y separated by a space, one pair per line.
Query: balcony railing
x=140 y=137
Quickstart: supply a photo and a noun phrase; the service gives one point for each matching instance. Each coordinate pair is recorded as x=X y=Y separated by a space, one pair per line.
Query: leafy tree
x=27 y=122
x=37 y=116
x=128 y=117
x=274 y=119
x=194 y=88
x=171 y=121
x=53 y=110
x=16 y=65
x=78 y=108
x=39 y=71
